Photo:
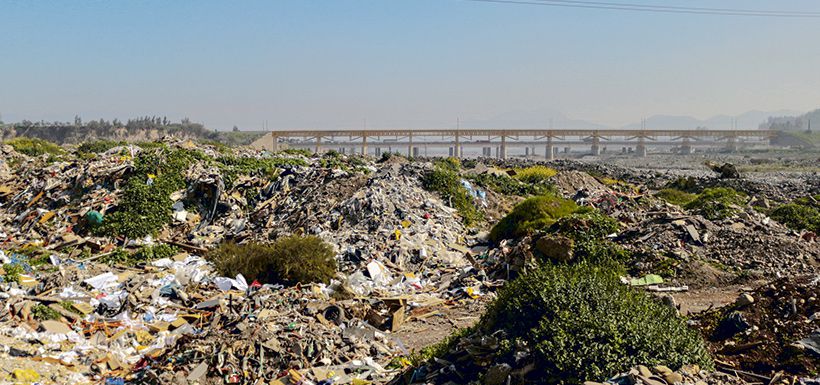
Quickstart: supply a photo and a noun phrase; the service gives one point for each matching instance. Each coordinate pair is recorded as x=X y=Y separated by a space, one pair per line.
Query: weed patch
x=535 y=213
x=445 y=180
x=675 y=196
x=535 y=174
x=34 y=146
x=717 y=203
x=798 y=216
x=13 y=272
x=506 y=185
x=582 y=323
x=42 y=312
x=289 y=260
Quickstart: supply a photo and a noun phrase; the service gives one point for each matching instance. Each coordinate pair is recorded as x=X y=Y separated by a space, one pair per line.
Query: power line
x=671 y=7
x=656 y=9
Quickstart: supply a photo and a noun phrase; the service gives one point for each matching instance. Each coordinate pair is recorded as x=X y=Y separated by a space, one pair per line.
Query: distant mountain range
x=543 y=119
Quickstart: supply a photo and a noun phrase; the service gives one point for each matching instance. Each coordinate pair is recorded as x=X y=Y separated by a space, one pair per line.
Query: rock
x=673 y=378
x=662 y=370
x=55 y=327
x=644 y=371
x=653 y=380
x=668 y=300
x=497 y=374
x=555 y=247
x=744 y=299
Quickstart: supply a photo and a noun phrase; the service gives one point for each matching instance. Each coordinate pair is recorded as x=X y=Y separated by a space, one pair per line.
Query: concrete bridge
x=547 y=142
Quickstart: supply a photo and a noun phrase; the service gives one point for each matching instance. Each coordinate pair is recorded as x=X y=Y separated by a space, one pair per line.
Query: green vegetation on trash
x=589 y=231
x=288 y=260
x=533 y=214
x=445 y=179
x=34 y=146
x=42 y=312
x=800 y=214
x=99 y=146
x=675 y=196
x=297 y=151
x=584 y=324
x=717 y=203
x=13 y=272
x=145 y=253
x=232 y=167
x=688 y=184
x=145 y=206
x=506 y=185
x=535 y=174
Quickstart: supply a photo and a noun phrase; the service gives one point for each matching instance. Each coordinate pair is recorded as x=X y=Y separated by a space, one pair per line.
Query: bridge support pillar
x=318 y=147
x=549 y=154
x=731 y=144
x=686 y=148
x=503 y=154
x=274 y=142
x=410 y=146
x=640 y=149
x=596 y=144
x=364 y=145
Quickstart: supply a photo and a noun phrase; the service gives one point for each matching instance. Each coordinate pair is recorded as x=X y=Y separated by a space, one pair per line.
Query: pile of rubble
x=71 y=314
x=67 y=318
x=773 y=328
x=749 y=242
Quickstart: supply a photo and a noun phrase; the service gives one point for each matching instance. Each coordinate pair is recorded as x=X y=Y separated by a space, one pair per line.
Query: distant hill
x=794 y=122
x=540 y=119
x=139 y=129
x=747 y=121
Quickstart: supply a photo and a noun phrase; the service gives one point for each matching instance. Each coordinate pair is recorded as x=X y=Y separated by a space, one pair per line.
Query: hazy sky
x=397 y=63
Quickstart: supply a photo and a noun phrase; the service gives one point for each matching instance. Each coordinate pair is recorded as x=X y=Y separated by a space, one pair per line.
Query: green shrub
x=144 y=254
x=688 y=184
x=675 y=196
x=34 y=146
x=535 y=213
x=583 y=324
x=589 y=232
x=298 y=151
x=507 y=185
x=535 y=174
x=717 y=203
x=450 y=163
x=289 y=260
x=117 y=256
x=156 y=251
x=42 y=312
x=146 y=207
x=13 y=272
x=797 y=216
x=143 y=210
x=445 y=180
x=99 y=146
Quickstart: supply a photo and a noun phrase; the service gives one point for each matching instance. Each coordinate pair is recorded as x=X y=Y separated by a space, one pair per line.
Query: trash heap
x=749 y=242
x=76 y=311
x=773 y=328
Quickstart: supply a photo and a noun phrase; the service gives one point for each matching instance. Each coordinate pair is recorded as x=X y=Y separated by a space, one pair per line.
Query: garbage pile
x=748 y=242
x=773 y=328
x=72 y=313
